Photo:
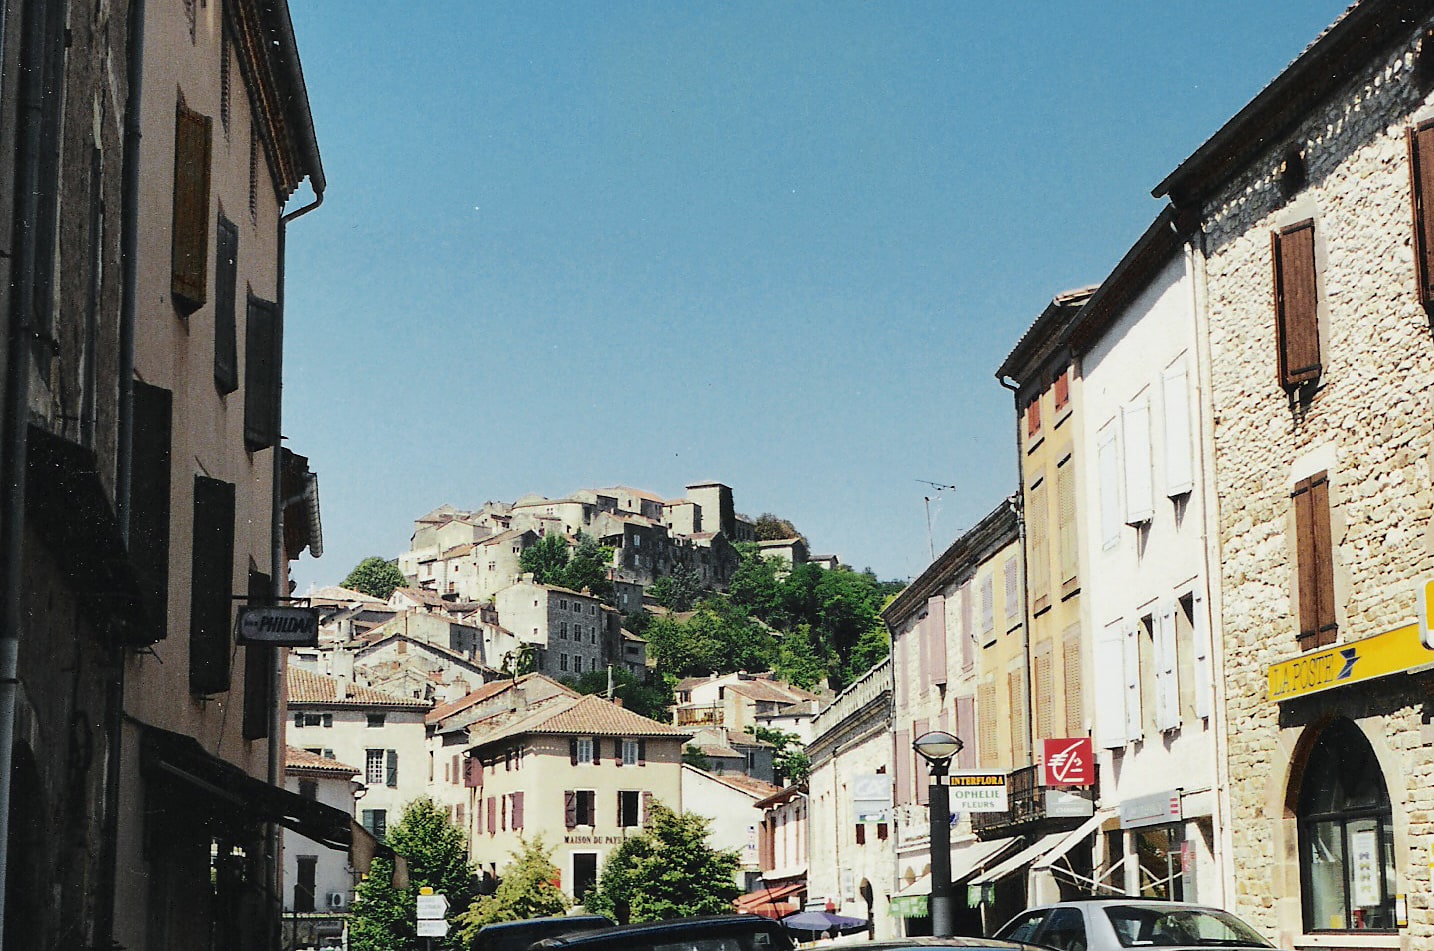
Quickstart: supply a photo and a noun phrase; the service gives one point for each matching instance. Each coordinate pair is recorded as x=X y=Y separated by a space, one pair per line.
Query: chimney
x=617 y=701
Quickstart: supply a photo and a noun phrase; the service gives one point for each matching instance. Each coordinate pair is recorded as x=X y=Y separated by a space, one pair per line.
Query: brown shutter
x=492 y=815
x=573 y=751
x=1314 y=560
x=1421 y=192
x=860 y=834
x=149 y=502
x=189 y=251
x=226 y=278
x=1033 y=416
x=1061 y=390
x=261 y=374
x=597 y=751
x=921 y=778
x=518 y=810
x=1296 y=303
x=258 y=667
x=211 y=586
x=472 y=772
x=570 y=809
x=642 y=752
x=646 y=809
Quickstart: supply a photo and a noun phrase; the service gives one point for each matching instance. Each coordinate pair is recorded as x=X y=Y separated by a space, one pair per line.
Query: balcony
x=1035 y=808
x=698 y=716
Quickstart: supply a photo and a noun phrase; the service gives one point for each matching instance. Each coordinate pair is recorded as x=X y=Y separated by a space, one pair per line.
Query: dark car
x=919 y=944
x=517 y=935
x=710 y=933
x=1114 y=924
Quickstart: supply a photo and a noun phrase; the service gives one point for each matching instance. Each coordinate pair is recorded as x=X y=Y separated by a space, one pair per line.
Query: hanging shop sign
x=871 y=797
x=1068 y=762
x=1156 y=809
x=977 y=792
x=278 y=626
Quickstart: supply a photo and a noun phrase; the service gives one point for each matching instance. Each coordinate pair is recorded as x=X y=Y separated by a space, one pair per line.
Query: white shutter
x=1139 y=487
x=1134 y=729
x=1110 y=686
x=1179 y=464
x=1108 y=466
x=1203 y=676
x=1167 y=683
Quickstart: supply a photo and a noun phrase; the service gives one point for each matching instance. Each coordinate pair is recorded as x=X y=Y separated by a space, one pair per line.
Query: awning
x=770 y=902
x=965 y=862
x=180 y=757
x=1020 y=860
x=1070 y=841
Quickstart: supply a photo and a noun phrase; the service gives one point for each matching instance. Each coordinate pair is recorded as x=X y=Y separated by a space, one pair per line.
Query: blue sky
x=780 y=245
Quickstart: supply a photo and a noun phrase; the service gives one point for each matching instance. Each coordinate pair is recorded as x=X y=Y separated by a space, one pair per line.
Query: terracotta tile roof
x=422 y=596
x=296 y=759
x=584 y=716
x=771 y=690
x=457 y=550
x=305 y=686
x=337 y=593
x=756 y=788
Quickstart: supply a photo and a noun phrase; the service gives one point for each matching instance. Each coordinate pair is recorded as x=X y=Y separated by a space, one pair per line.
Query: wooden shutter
x=1134 y=716
x=921 y=634
x=261 y=374
x=149 y=502
x=901 y=756
x=518 y=810
x=1044 y=689
x=967 y=729
x=1167 y=673
x=987 y=736
x=211 y=588
x=391 y=770
x=860 y=834
x=1033 y=416
x=1012 y=578
x=921 y=777
x=1139 y=486
x=597 y=751
x=1296 y=303
x=936 y=630
x=1421 y=193
x=1179 y=461
x=493 y=815
x=988 y=604
x=646 y=808
x=1203 y=674
x=642 y=752
x=1061 y=390
x=573 y=751
x=226 y=277
x=570 y=809
x=1107 y=461
x=189 y=251
x=472 y=772
x=616 y=751
x=1066 y=515
x=1314 y=560
x=1020 y=715
x=1110 y=686
x=1073 y=681
x=258 y=667
x=1039 y=568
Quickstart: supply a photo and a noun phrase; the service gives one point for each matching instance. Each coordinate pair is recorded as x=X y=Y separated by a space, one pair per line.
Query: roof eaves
x=978 y=544
x=1046 y=335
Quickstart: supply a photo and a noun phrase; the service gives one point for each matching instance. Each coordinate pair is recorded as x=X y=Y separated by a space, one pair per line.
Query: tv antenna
x=937 y=488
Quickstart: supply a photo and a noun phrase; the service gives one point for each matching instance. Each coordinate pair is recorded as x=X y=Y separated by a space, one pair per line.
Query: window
x=261 y=375
x=1421 y=191
x=376 y=720
x=628 y=803
x=304 y=883
x=1296 y=303
x=581 y=750
x=189 y=249
x=1314 y=563
x=562 y=661
x=563 y=603
x=563 y=630
x=226 y=276
x=1347 y=873
x=1033 y=417
x=630 y=755
x=1065 y=930
x=577 y=663
x=308 y=789
x=579 y=807
x=376 y=822
x=211 y=586
x=514 y=810
x=1061 y=390
x=373 y=767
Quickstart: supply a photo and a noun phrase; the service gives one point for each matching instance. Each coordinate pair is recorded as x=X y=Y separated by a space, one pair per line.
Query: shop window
x=1160 y=850
x=1347 y=876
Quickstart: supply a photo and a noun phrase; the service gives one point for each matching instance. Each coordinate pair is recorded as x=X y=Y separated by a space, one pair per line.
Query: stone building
x=1311 y=212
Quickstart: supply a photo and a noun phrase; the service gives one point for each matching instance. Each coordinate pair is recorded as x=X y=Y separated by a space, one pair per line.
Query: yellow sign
x=1379 y=656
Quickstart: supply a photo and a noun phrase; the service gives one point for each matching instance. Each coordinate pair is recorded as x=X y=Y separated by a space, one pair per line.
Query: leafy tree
x=693 y=756
x=677 y=591
x=790 y=760
x=586 y=565
x=718 y=636
x=769 y=527
x=802 y=658
x=647 y=698
x=437 y=853
x=375 y=577
x=525 y=890
x=667 y=871
x=546 y=560
x=755 y=581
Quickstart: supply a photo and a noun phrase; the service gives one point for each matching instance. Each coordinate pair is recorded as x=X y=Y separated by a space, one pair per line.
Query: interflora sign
x=977 y=792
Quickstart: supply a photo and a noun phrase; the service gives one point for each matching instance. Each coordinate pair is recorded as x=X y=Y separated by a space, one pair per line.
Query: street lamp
x=937 y=748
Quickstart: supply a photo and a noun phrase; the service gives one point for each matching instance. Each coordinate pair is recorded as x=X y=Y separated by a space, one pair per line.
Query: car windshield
x=1144 y=926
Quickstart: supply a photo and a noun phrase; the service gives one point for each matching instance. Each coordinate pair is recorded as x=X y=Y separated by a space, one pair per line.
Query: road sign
x=432 y=928
x=432 y=906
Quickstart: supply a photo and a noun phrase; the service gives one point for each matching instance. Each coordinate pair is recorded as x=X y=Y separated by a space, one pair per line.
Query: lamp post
x=937 y=748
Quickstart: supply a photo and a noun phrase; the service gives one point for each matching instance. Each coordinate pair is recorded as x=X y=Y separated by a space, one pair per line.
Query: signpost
x=432 y=914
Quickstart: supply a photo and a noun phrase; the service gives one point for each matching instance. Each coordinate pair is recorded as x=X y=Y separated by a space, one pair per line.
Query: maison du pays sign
x=278 y=626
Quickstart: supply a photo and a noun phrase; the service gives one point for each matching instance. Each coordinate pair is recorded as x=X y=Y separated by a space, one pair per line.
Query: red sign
x=1068 y=762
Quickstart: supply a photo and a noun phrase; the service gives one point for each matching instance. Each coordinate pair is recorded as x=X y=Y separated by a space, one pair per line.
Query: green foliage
x=650 y=699
x=718 y=636
x=667 y=871
x=677 y=591
x=790 y=759
x=383 y=916
x=375 y=577
x=583 y=567
x=769 y=527
x=525 y=890
x=693 y=756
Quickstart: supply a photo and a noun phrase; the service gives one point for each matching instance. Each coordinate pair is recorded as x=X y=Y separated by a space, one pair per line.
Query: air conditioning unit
x=337 y=900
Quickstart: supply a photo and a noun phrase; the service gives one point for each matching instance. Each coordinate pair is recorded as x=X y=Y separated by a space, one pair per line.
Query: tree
x=525 y=890
x=437 y=853
x=667 y=871
x=769 y=527
x=677 y=591
x=693 y=756
x=585 y=566
x=790 y=760
x=545 y=560
x=647 y=698
x=375 y=577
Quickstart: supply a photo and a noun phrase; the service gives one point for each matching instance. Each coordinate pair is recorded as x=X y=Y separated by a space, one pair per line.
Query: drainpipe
x=129 y=277
x=1017 y=503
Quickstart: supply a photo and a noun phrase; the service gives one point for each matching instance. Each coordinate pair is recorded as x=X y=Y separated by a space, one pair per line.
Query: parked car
x=921 y=944
x=708 y=933
x=1112 y=924
x=517 y=935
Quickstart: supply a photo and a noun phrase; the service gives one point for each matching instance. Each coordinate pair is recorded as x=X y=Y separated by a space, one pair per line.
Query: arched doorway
x=1346 y=835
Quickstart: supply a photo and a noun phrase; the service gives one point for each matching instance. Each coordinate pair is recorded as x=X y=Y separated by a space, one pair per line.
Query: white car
x=1114 y=924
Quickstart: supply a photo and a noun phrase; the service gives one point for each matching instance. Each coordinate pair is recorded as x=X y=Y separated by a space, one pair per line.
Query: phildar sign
x=279 y=626
x=1069 y=762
